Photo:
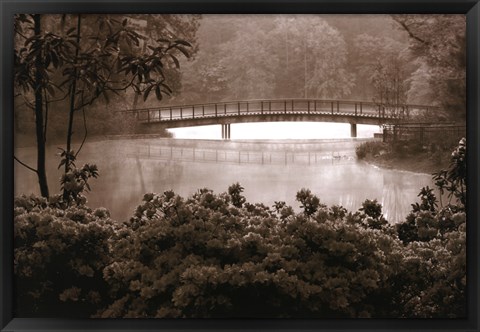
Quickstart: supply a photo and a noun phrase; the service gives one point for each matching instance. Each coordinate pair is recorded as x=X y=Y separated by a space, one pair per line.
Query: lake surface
x=268 y=170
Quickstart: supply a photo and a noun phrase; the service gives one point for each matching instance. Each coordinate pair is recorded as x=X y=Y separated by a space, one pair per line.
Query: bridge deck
x=279 y=110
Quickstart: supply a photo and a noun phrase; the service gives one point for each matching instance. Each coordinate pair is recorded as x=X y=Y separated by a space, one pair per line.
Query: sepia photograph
x=308 y=166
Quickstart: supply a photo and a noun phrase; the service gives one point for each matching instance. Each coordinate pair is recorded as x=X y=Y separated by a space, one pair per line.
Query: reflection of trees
x=397 y=191
x=350 y=201
x=394 y=202
x=396 y=197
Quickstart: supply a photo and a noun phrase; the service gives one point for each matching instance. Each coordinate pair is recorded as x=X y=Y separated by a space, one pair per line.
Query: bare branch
x=20 y=34
x=28 y=103
x=25 y=165
x=410 y=33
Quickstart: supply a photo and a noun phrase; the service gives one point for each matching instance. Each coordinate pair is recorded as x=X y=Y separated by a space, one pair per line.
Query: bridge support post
x=225 y=131
x=353 y=130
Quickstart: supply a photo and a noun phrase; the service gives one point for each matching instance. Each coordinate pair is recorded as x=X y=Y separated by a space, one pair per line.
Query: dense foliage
x=59 y=256
x=217 y=255
x=426 y=155
x=372 y=148
x=438 y=44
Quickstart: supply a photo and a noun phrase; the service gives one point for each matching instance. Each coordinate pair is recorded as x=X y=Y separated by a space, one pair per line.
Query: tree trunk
x=39 y=125
x=288 y=59
x=71 y=114
x=73 y=90
x=305 y=68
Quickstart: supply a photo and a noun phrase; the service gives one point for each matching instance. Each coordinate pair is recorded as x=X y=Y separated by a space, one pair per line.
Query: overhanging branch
x=410 y=33
x=25 y=165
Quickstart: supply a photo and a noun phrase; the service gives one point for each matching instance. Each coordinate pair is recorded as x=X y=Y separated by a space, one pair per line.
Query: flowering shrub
x=309 y=202
x=435 y=278
x=426 y=221
x=435 y=251
x=454 y=178
x=74 y=182
x=59 y=257
x=205 y=257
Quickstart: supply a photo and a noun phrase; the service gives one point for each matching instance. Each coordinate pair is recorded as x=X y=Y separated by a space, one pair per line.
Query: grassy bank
x=407 y=156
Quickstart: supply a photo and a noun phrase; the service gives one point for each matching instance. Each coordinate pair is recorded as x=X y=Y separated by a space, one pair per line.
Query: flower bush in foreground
x=59 y=257
x=204 y=257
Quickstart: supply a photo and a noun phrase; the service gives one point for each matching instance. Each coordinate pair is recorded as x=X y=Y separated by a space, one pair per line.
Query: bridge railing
x=278 y=106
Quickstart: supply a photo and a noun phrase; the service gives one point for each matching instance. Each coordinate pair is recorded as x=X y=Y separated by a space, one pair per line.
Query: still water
x=268 y=170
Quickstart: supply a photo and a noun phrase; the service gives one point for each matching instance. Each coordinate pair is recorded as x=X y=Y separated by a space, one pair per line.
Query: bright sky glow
x=277 y=130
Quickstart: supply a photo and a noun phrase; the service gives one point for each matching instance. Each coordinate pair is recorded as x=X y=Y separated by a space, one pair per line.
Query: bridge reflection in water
x=207 y=155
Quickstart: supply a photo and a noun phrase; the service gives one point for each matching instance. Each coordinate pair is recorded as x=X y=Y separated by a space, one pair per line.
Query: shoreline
x=410 y=164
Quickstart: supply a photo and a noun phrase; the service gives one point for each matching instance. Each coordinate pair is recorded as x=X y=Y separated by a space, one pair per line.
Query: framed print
x=231 y=165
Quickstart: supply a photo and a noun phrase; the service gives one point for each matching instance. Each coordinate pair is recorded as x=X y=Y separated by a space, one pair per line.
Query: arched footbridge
x=272 y=110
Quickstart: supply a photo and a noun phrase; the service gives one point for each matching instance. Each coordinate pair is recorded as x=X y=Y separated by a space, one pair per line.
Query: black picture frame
x=471 y=8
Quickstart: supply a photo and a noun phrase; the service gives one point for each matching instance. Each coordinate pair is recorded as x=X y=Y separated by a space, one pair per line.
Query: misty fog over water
x=268 y=170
